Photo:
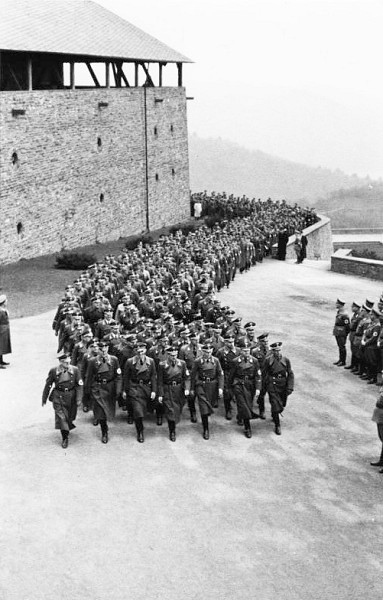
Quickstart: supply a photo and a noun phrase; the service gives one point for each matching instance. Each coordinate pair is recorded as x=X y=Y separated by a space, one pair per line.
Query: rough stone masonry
x=81 y=166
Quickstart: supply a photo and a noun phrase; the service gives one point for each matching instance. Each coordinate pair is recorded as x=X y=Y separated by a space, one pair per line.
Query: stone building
x=93 y=144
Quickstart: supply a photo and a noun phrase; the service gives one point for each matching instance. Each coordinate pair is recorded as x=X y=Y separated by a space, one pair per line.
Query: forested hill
x=355 y=207
x=221 y=165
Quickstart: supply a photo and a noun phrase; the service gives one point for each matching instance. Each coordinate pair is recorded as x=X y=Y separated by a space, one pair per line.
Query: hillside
x=354 y=207
x=221 y=165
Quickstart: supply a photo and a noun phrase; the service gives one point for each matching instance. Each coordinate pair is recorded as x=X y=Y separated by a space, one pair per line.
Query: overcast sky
x=300 y=79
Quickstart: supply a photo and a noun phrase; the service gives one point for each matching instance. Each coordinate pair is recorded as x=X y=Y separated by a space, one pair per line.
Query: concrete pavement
x=295 y=517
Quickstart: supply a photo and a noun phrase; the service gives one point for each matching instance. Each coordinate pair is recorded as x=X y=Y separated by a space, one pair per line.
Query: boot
x=140 y=430
x=193 y=416
x=277 y=424
x=65 y=436
x=104 y=431
x=228 y=415
x=247 y=430
x=205 y=423
x=172 y=431
x=378 y=463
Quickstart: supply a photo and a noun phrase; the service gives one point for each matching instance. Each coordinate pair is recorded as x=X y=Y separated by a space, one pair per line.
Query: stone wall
x=75 y=167
x=357 y=247
x=343 y=262
x=319 y=241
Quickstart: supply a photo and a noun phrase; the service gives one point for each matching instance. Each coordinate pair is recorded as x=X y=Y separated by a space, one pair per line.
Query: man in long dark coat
x=245 y=381
x=5 y=336
x=279 y=382
x=64 y=388
x=173 y=387
x=103 y=386
x=207 y=384
x=139 y=388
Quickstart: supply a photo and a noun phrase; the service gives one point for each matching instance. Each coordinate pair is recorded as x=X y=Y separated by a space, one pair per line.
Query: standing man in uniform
x=369 y=343
x=189 y=353
x=207 y=384
x=260 y=352
x=103 y=386
x=279 y=382
x=341 y=331
x=66 y=395
x=245 y=379
x=226 y=357
x=5 y=337
x=356 y=316
x=139 y=388
x=173 y=387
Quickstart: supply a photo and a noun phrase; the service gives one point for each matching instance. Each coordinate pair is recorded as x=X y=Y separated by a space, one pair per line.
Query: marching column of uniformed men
x=145 y=330
x=365 y=332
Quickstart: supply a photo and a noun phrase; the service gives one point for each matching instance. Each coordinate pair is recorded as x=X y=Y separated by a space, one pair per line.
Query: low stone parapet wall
x=343 y=262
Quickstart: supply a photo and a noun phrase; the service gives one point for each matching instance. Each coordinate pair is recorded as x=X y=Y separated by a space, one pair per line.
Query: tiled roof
x=78 y=27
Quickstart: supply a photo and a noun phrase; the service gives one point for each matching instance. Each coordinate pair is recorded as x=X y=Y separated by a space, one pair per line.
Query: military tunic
x=207 y=378
x=65 y=395
x=173 y=381
x=245 y=379
x=139 y=381
x=279 y=381
x=103 y=385
x=341 y=331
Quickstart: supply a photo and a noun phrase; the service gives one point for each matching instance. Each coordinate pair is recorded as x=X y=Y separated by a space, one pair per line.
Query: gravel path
x=293 y=517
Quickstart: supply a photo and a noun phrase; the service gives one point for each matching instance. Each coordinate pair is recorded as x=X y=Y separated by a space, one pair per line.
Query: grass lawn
x=35 y=286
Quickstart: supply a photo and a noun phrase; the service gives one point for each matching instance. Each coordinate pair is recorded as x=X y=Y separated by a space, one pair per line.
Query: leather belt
x=208 y=379
x=173 y=383
x=65 y=389
x=141 y=381
x=279 y=376
x=104 y=381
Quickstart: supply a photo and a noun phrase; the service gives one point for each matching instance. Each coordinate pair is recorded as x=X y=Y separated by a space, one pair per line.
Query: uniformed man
x=64 y=388
x=363 y=324
x=248 y=338
x=279 y=382
x=173 y=387
x=341 y=331
x=369 y=343
x=260 y=352
x=103 y=386
x=245 y=380
x=356 y=316
x=207 y=384
x=140 y=387
x=226 y=357
x=189 y=353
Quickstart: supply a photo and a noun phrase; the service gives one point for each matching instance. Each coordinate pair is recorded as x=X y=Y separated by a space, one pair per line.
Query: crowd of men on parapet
x=146 y=329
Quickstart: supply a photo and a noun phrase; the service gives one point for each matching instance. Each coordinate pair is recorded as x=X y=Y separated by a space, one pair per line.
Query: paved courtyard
x=295 y=517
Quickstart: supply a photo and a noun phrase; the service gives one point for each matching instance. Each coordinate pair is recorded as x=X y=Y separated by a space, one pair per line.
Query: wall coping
x=344 y=254
x=350 y=230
